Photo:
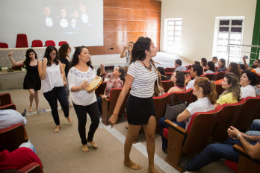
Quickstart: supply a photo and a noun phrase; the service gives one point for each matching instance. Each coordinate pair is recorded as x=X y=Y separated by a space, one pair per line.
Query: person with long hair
x=140 y=109
x=115 y=80
x=234 y=68
x=232 y=89
x=178 y=79
x=32 y=81
x=162 y=72
x=247 y=81
x=64 y=52
x=52 y=75
x=204 y=63
x=222 y=65
x=127 y=52
x=211 y=67
x=205 y=91
x=80 y=75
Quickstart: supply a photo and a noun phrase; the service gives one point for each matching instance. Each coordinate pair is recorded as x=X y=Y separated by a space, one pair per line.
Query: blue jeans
x=163 y=125
x=28 y=145
x=254 y=128
x=213 y=153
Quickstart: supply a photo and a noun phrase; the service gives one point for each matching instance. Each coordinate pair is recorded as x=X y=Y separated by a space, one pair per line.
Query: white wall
x=198 y=23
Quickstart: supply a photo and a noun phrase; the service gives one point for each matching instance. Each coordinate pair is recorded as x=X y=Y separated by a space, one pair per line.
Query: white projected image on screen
x=79 y=22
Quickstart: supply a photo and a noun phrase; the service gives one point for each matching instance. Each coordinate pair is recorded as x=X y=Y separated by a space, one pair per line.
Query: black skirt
x=139 y=110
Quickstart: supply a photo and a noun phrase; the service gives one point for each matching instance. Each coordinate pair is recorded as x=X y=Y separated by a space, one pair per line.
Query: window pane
x=178 y=28
x=222 y=48
x=223 y=42
x=177 y=33
x=235 y=36
x=177 y=38
x=223 y=29
x=237 y=22
x=223 y=35
x=179 y=22
x=224 y=22
x=234 y=42
x=170 y=22
x=236 y=29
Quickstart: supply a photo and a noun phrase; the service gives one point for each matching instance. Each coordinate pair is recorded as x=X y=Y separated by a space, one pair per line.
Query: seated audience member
x=214 y=152
x=204 y=63
x=248 y=81
x=232 y=89
x=255 y=65
x=222 y=65
x=242 y=67
x=178 y=79
x=196 y=62
x=116 y=80
x=215 y=61
x=196 y=71
x=211 y=68
x=234 y=68
x=254 y=129
x=162 y=72
x=9 y=117
x=18 y=158
x=205 y=91
x=178 y=65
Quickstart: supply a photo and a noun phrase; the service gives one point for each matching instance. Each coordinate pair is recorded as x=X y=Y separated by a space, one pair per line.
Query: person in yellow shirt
x=232 y=89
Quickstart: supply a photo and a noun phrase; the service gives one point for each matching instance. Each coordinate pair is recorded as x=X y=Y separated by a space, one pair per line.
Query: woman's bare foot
x=70 y=120
x=152 y=170
x=126 y=126
x=85 y=148
x=132 y=165
x=93 y=144
x=57 y=129
x=30 y=109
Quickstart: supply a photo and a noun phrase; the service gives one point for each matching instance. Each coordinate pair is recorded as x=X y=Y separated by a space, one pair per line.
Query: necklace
x=148 y=68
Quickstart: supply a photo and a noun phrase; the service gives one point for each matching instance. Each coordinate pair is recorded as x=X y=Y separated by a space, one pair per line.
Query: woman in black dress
x=32 y=81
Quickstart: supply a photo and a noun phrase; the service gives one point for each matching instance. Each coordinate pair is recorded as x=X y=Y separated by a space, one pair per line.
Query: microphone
x=111 y=48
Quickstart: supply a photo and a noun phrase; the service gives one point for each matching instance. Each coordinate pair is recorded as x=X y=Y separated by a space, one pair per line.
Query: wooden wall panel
x=126 y=21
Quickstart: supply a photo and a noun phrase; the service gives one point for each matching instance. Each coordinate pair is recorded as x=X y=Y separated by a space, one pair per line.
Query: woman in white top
x=247 y=81
x=141 y=75
x=205 y=91
x=127 y=51
x=210 y=67
x=79 y=77
x=52 y=75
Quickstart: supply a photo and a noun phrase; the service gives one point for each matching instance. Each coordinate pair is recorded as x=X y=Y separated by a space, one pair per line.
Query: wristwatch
x=238 y=135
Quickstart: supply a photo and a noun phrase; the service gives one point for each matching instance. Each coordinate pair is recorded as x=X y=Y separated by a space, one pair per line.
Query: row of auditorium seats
x=22 y=42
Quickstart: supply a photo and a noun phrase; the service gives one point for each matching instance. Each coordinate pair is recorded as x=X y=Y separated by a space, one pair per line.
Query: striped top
x=143 y=83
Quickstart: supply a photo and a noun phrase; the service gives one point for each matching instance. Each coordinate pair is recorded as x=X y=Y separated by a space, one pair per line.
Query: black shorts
x=139 y=110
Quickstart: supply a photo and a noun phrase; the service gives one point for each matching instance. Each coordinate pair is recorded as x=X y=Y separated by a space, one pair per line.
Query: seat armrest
x=241 y=151
x=31 y=168
x=176 y=127
x=104 y=98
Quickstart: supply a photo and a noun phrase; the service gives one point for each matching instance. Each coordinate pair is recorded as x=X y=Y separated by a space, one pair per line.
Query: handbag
x=173 y=110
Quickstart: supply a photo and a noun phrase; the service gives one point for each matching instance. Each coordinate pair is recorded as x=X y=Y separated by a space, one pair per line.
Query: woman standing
x=64 y=52
x=32 y=81
x=140 y=109
x=80 y=75
x=52 y=75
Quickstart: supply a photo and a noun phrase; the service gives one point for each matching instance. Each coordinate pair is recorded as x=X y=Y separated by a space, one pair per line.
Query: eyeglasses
x=53 y=54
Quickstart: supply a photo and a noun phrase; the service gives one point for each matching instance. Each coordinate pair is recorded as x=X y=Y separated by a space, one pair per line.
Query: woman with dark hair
x=204 y=63
x=196 y=62
x=211 y=67
x=115 y=80
x=222 y=65
x=178 y=79
x=32 y=81
x=141 y=77
x=242 y=67
x=52 y=75
x=234 y=68
x=162 y=72
x=247 y=81
x=80 y=75
x=64 y=52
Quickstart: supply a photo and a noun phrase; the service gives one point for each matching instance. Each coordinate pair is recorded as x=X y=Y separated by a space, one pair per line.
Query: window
x=228 y=30
x=173 y=31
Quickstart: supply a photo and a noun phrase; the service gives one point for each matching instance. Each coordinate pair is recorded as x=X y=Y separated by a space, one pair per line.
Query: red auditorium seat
x=50 y=43
x=188 y=67
x=62 y=42
x=184 y=96
x=210 y=76
x=170 y=69
x=3 y=45
x=220 y=75
x=37 y=43
x=167 y=84
x=21 y=41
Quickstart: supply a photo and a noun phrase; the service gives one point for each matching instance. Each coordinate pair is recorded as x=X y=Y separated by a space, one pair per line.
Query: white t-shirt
x=128 y=58
x=257 y=70
x=209 y=71
x=76 y=78
x=64 y=23
x=201 y=105
x=84 y=18
x=248 y=91
x=11 y=117
x=190 y=84
x=143 y=83
x=48 y=22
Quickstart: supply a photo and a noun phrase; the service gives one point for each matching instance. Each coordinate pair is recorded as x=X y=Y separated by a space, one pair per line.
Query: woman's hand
x=11 y=53
x=113 y=119
x=233 y=132
x=104 y=96
x=44 y=61
x=84 y=85
x=64 y=83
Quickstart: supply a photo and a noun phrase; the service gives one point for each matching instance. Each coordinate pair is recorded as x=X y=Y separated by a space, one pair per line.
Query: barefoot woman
x=32 y=81
x=140 y=108
x=80 y=74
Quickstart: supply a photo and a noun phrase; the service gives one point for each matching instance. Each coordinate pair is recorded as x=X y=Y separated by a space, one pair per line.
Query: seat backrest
x=247 y=113
x=8 y=106
x=210 y=76
x=101 y=89
x=170 y=69
x=12 y=137
x=167 y=84
x=188 y=67
x=3 y=45
x=200 y=129
x=169 y=74
x=227 y=118
x=37 y=43
x=33 y=167
x=62 y=42
x=186 y=72
x=220 y=75
x=114 y=94
x=160 y=104
x=219 y=89
x=258 y=78
x=5 y=99
x=50 y=43
x=184 y=96
x=21 y=41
